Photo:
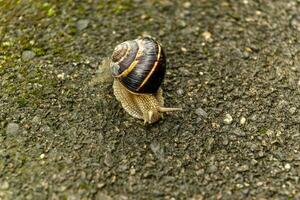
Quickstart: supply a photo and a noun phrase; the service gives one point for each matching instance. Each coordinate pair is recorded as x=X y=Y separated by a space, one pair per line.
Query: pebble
x=4 y=185
x=108 y=160
x=269 y=132
x=82 y=24
x=245 y=1
x=100 y=185
x=259 y=183
x=246 y=54
x=287 y=166
x=213 y=168
x=207 y=36
x=225 y=141
x=132 y=171
x=36 y=120
x=184 y=71
x=253 y=162
x=187 y=4
x=61 y=76
x=157 y=150
x=200 y=172
x=228 y=119
x=295 y=22
x=161 y=33
x=292 y=110
x=12 y=129
x=179 y=91
x=144 y=16
x=102 y=196
x=28 y=55
x=199 y=111
x=42 y=156
x=243 y=168
x=210 y=143
x=197 y=197
x=45 y=129
x=239 y=132
x=182 y=23
x=261 y=154
x=242 y=120
x=121 y=197
x=183 y=49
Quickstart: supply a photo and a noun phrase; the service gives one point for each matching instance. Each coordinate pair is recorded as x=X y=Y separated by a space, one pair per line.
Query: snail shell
x=138 y=67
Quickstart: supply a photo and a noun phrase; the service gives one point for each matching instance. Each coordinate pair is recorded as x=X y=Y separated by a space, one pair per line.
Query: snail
x=138 y=67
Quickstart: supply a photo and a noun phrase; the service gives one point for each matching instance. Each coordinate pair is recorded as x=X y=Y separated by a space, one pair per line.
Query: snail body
x=138 y=67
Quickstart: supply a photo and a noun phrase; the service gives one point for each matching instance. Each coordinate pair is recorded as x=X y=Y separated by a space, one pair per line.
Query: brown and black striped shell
x=139 y=65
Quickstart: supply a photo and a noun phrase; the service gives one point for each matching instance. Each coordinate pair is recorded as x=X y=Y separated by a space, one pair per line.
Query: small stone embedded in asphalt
x=100 y=185
x=45 y=129
x=157 y=150
x=184 y=71
x=261 y=154
x=295 y=22
x=228 y=119
x=197 y=197
x=179 y=91
x=108 y=160
x=292 y=110
x=210 y=143
x=199 y=111
x=253 y=162
x=61 y=76
x=200 y=172
x=181 y=23
x=42 y=156
x=161 y=33
x=207 y=36
x=187 y=4
x=4 y=185
x=132 y=171
x=260 y=183
x=225 y=141
x=28 y=55
x=243 y=168
x=269 y=132
x=212 y=168
x=36 y=120
x=102 y=196
x=239 y=132
x=287 y=166
x=242 y=120
x=246 y=54
x=183 y=49
x=144 y=16
x=82 y=24
x=12 y=129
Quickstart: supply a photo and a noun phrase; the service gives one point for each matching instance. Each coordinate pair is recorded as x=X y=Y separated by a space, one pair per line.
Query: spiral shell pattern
x=139 y=65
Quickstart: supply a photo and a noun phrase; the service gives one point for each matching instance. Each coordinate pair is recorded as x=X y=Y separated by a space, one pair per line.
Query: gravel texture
x=234 y=67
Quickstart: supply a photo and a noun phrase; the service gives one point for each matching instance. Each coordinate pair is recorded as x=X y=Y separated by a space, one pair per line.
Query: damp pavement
x=233 y=66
